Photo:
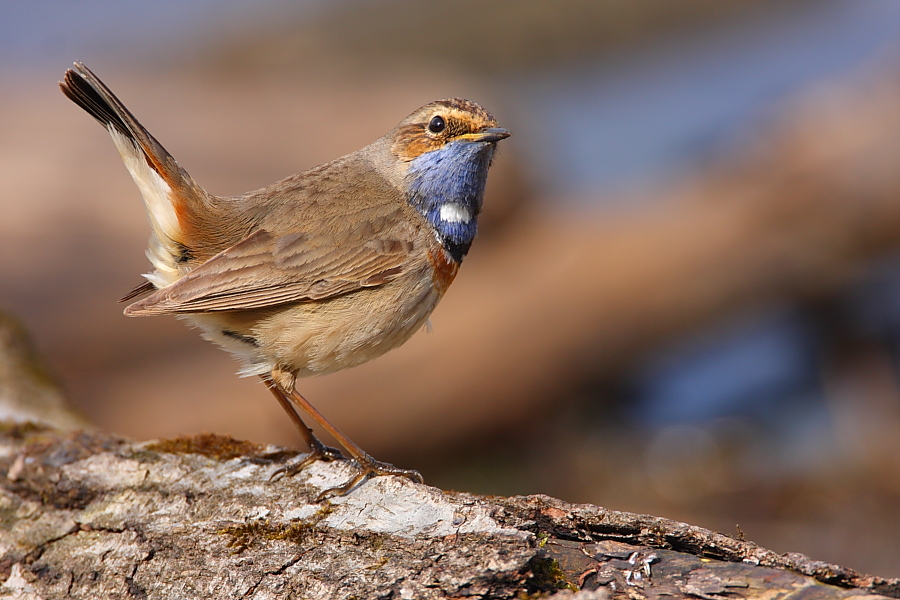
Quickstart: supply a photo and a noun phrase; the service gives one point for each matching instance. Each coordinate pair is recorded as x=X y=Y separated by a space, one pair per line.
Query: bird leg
x=368 y=466
x=317 y=450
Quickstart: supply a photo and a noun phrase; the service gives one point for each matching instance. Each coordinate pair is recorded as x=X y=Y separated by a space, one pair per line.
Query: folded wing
x=266 y=270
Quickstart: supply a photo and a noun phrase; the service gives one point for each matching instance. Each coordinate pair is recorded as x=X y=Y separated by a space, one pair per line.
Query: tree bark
x=89 y=515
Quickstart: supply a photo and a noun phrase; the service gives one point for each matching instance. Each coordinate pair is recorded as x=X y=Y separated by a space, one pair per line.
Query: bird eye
x=436 y=125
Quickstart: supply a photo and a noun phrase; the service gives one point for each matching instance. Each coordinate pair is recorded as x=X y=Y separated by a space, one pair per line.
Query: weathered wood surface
x=88 y=515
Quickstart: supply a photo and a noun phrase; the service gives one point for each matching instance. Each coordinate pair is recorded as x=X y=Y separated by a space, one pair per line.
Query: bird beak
x=488 y=134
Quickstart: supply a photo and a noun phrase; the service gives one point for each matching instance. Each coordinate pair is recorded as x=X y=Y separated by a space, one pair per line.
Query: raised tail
x=86 y=90
x=171 y=197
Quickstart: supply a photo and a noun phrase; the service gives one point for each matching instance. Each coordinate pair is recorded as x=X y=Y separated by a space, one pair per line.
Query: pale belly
x=321 y=337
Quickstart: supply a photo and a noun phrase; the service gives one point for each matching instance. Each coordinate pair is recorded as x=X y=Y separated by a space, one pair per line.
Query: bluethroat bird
x=321 y=271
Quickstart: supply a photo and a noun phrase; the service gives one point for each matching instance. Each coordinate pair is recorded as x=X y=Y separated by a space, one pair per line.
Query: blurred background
x=685 y=296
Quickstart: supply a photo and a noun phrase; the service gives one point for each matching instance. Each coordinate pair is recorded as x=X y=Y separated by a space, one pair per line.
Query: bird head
x=446 y=148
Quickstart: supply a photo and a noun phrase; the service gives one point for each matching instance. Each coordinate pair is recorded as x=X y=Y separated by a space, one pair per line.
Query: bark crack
x=279 y=571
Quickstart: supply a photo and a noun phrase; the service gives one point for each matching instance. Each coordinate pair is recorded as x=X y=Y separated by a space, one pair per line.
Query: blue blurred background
x=686 y=296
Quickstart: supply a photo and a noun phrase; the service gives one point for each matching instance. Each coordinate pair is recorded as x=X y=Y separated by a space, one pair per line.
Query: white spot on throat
x=454 y=213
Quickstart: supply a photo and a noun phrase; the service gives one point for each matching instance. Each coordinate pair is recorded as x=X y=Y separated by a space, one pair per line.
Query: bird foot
x=320 y=452
x=370 y=468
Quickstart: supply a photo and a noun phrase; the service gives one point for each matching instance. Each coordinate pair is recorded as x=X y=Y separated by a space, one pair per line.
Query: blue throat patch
x=446 y=186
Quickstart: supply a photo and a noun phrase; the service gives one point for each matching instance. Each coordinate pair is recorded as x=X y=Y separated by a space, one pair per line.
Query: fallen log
x=90 y=515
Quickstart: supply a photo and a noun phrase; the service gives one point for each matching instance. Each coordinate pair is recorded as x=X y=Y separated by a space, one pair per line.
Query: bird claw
x=322 y=452
x=369 y=468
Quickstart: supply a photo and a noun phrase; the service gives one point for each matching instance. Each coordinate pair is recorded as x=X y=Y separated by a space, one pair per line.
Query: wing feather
x=266 y=270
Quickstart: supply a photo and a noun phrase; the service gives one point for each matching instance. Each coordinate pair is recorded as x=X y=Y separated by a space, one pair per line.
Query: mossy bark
x=88 y=515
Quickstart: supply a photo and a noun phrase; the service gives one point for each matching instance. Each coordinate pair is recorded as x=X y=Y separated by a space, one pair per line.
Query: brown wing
x=265 y=270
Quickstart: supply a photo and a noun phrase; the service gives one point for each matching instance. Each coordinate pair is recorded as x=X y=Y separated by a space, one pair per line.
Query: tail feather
x=87 y=91
x=171 y=197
